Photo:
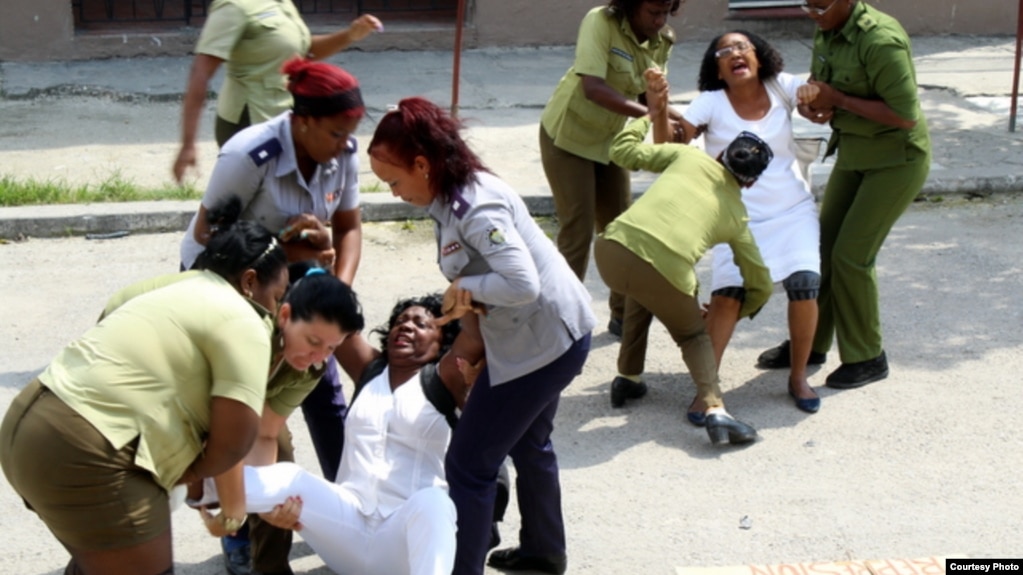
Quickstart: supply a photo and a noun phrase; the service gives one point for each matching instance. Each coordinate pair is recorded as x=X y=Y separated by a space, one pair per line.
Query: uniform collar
x=287 y=163
x=851 y=29
x=631 y=34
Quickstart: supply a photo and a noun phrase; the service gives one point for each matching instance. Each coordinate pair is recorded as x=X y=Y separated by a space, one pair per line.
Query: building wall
x=44 y=29
x=522 y=22
x=35 y=29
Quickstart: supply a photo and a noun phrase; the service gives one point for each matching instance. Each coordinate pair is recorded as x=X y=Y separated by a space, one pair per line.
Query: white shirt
x=395 y=444
x=259 y=166
x=781 y=186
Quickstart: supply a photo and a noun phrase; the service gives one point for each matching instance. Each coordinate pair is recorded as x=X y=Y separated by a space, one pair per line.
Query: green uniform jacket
x=870 y=57
x=606 y=48
x=694 y=204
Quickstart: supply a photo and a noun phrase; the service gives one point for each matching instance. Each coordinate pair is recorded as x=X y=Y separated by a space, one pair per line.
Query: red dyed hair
x=312 y=79
x=418 y=127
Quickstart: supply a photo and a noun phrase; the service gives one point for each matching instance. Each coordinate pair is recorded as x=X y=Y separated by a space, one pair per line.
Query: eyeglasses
x=815 y=11
x=740 y=47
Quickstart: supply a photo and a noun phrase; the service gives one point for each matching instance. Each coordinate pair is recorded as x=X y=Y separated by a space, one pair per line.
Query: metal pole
x=1015 y=69
x=459 y=23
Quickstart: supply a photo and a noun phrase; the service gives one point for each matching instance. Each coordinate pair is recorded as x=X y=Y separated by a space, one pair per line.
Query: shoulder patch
x=866 y=22
x=352 y=146
x=496 y=236
x=266 y=151
x=668 y=33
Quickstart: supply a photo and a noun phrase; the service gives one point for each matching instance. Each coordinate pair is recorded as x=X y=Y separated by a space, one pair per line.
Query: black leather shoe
x=809 y=404
x=779 y=357
x=623 y=388
x=853 y=375
x=512 y=559
x=614 y=327
x=721 y=428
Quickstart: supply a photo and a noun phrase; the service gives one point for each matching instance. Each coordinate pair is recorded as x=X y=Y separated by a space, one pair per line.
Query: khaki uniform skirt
x=92 y=496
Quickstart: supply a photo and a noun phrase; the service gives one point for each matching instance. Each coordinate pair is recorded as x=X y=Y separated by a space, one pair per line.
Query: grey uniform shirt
x=536 y=307
x=258 y=165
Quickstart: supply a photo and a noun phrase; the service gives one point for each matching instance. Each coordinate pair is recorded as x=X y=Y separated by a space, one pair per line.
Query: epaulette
x=459 y=206
x=266 y=151
x=866 y=22
x=352 y=146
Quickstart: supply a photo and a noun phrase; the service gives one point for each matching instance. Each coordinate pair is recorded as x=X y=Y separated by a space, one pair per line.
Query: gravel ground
x=918 y=465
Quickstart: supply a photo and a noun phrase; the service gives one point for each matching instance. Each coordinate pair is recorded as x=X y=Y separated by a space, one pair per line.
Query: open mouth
x=740 y=67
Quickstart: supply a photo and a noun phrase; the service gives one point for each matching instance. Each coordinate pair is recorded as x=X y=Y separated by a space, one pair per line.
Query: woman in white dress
x=388 y=513
x=742 y=88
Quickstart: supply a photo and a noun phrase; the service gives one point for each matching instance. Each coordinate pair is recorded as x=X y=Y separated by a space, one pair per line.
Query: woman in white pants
x=416 y=536
x=389 y=510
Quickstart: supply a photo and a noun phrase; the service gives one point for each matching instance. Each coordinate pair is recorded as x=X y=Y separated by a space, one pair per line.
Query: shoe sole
x=855 y=384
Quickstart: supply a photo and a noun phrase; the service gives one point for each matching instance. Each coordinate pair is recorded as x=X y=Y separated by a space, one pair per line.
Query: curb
x=51 y=221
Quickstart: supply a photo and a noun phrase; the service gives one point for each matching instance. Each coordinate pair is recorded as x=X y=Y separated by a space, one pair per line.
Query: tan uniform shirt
x=606 y=48
x=255 y=38
x=149 y=369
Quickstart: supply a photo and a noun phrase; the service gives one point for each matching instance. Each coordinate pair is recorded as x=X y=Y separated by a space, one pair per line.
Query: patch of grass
x=374 y=188
x=31 y=191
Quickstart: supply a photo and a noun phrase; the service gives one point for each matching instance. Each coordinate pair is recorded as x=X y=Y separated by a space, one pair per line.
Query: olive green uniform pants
x=649 y=294
x=270 y=545
x=858 y=211
x=588 y=196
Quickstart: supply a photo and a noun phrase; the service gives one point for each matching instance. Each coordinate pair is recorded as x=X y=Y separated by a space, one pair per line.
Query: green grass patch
x=31 y=191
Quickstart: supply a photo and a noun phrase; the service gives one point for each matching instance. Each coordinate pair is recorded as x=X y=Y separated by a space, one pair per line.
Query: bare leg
x=722 y=316
x=802 y=325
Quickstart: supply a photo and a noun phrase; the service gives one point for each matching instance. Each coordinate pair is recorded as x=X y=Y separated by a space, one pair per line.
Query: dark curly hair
x=771 y=62
x=432 y=302
x=626 y=8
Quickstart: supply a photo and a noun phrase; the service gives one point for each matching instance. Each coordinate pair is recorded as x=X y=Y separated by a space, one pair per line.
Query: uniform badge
x=331 y=196
x=495 y=236
x=450 y=249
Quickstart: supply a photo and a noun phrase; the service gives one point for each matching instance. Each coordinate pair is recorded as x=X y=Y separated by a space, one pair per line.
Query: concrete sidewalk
x=82 y=121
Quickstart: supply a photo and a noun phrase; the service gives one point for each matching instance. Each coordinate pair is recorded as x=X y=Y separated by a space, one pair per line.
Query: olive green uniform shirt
x=287 y=387
x=870 y=57
x=149 y=369
x=255 y=38
x=694 y=204
x=606 y=48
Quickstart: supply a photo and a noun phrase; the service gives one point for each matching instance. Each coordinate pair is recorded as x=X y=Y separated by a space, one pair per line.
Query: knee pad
x=802 y=285
x=734 y=292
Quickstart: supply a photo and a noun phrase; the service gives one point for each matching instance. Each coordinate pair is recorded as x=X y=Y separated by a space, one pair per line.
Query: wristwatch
x=230 y=524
